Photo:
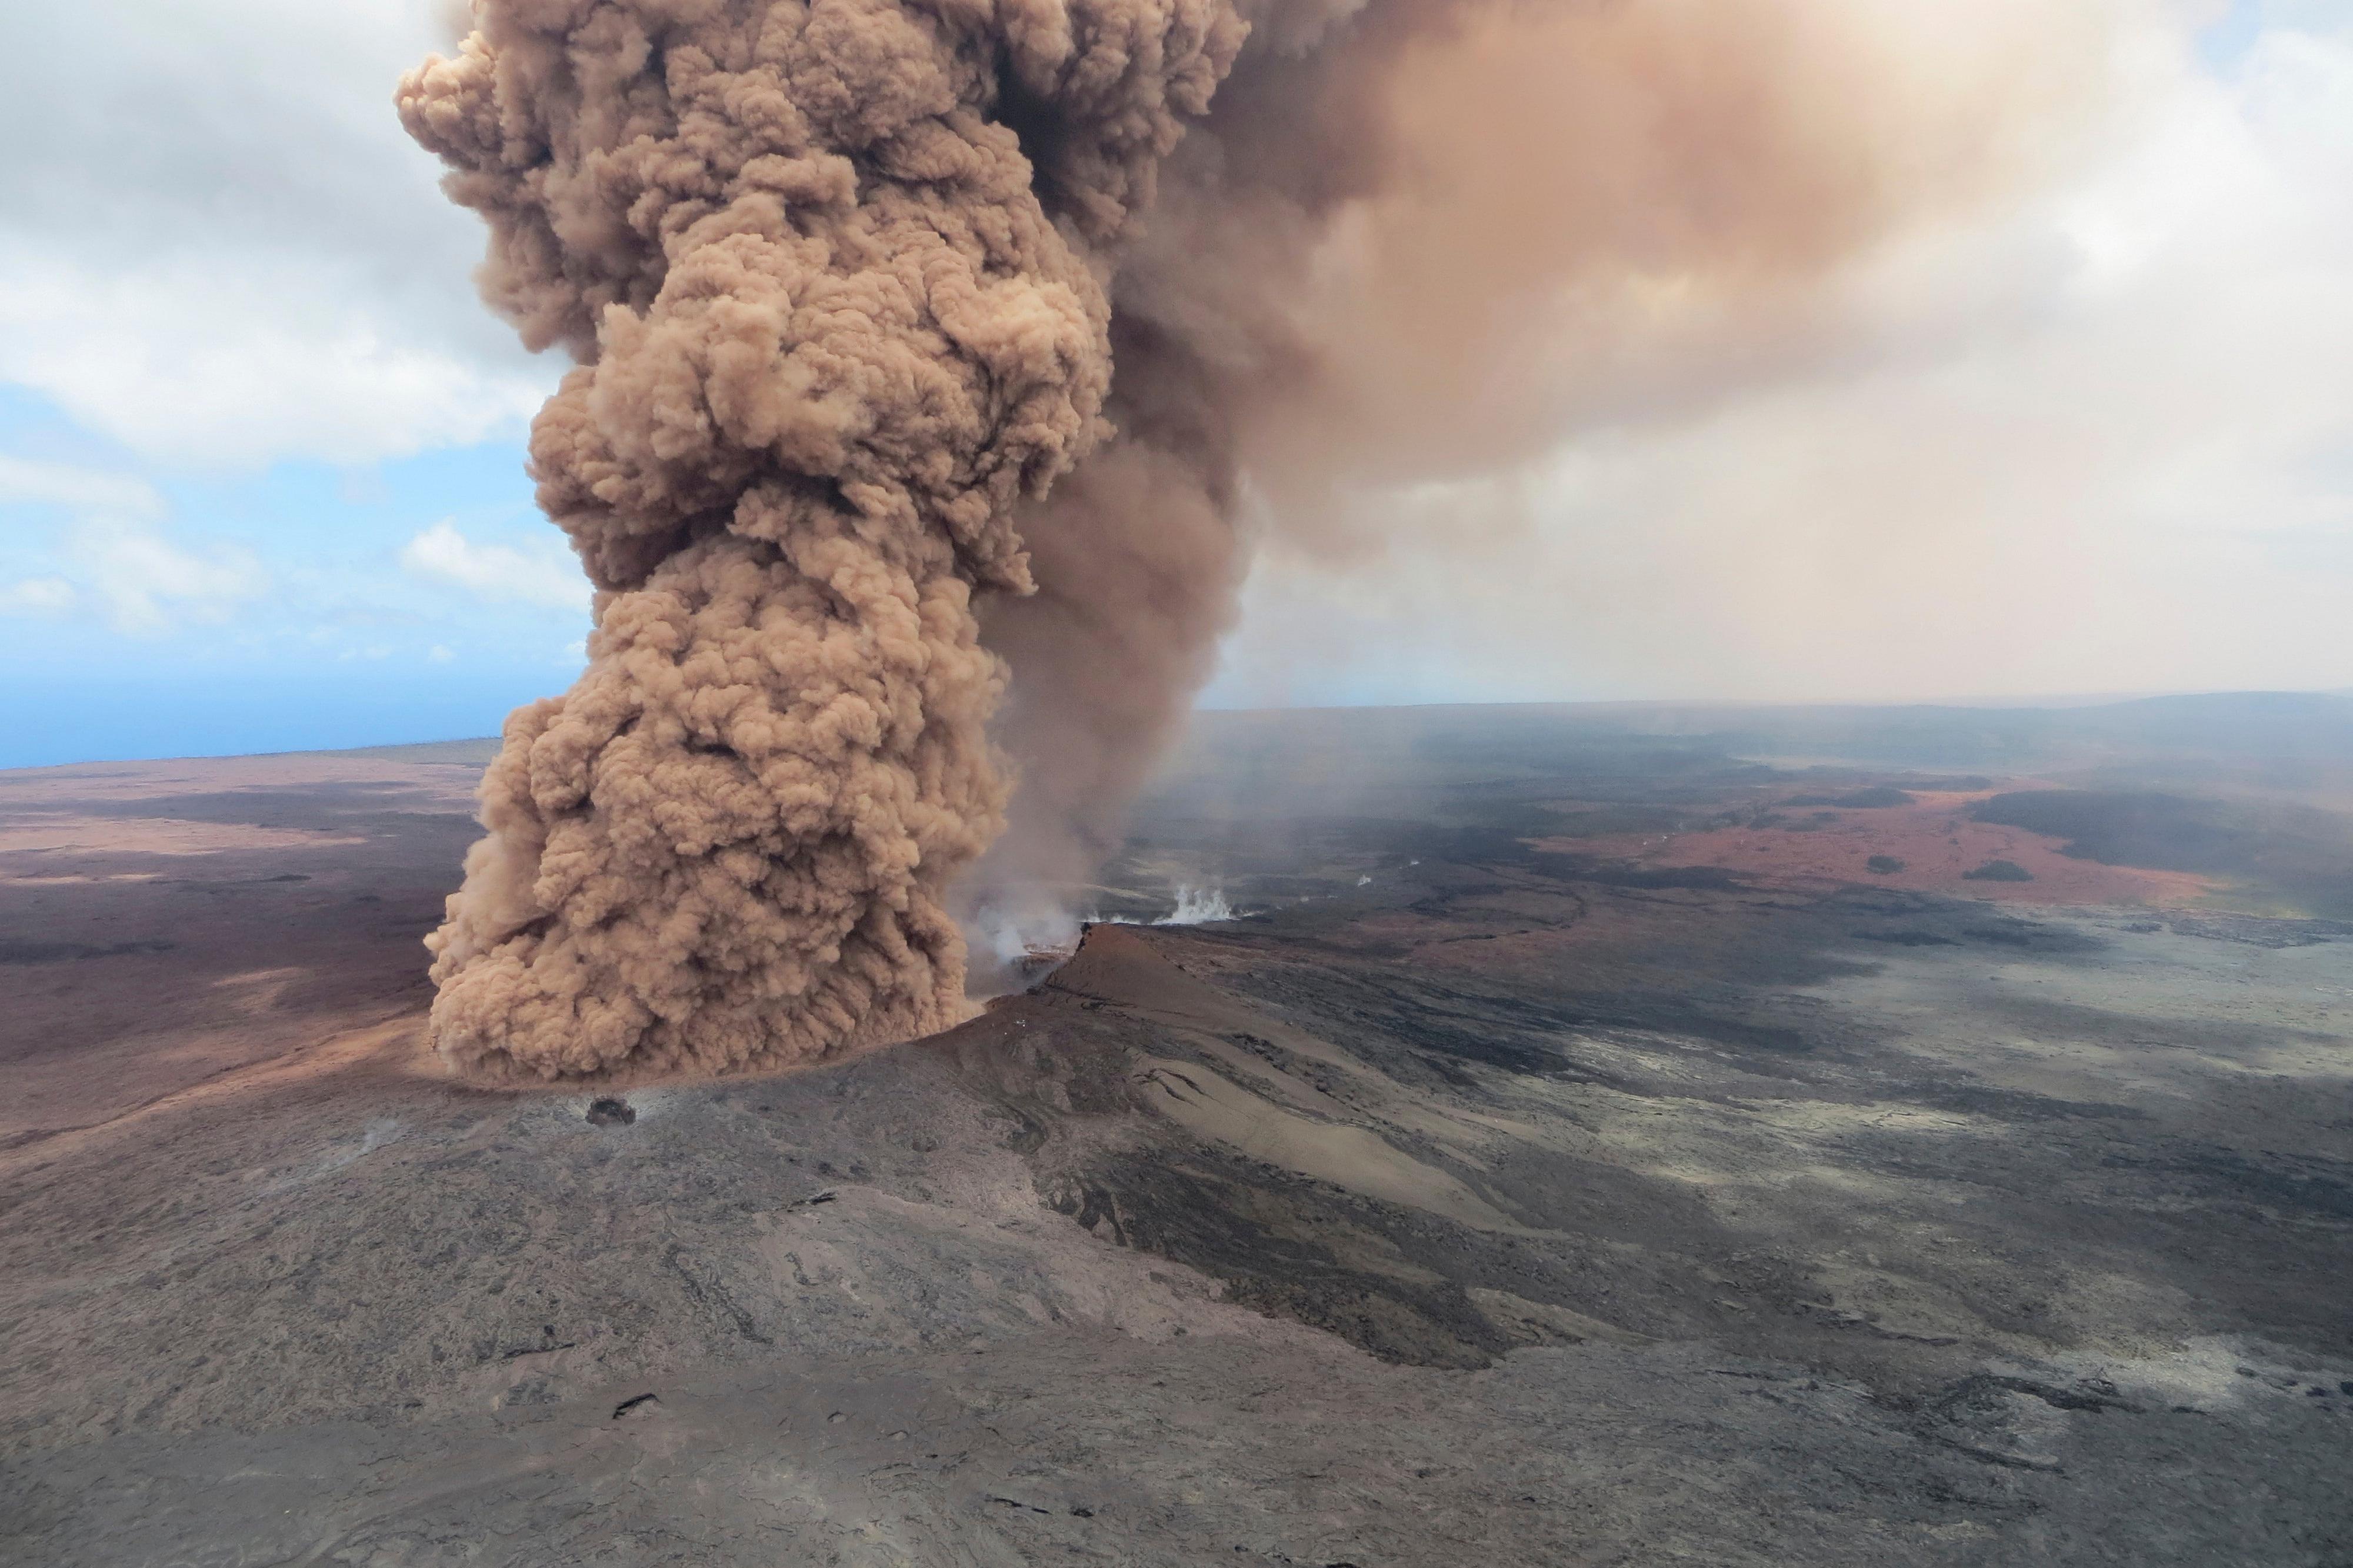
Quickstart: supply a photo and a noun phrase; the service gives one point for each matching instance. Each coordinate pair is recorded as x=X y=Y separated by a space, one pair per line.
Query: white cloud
x=47 y=597
x=549 y=577
x=217 y=357
x=147 y=586
x=438 y=654
x=86 y=491
x=227 y=251
x=117 y=560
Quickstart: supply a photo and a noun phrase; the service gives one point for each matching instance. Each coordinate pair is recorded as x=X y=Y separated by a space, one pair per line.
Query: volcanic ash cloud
x=846 y=280
x=829 y=337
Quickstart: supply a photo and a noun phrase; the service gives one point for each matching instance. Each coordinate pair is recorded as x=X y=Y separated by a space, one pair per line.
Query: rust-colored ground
x=163 y=924
x=1816 y=848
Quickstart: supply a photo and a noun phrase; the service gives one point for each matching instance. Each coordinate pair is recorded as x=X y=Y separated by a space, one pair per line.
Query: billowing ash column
x=846 y=279
x=829 y=337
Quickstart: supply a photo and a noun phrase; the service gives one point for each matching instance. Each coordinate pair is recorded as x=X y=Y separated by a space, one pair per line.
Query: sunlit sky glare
x=261 y=481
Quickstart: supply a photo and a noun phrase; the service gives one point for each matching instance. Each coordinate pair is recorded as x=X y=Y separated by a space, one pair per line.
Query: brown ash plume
x=847 y=459
x=1418 y=241
x=829 y=336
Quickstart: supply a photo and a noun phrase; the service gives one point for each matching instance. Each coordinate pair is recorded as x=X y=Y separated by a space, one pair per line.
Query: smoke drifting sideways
x=847 y=459
x=1423 y=241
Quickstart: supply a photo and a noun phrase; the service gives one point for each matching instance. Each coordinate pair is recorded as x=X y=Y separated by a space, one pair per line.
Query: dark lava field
x=1593 y=1136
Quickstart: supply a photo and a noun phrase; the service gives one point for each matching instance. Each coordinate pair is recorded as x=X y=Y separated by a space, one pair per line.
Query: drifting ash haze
x=940 y=356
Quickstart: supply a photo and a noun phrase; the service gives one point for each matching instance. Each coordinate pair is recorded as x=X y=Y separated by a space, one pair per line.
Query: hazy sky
x=260 y=450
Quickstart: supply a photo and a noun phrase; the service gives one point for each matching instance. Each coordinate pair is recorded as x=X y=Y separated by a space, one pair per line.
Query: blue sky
x=296 y=605
x=261 y=464
x=300 y=603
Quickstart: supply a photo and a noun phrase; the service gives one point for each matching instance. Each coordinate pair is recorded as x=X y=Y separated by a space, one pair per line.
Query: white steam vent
x=1197 y=907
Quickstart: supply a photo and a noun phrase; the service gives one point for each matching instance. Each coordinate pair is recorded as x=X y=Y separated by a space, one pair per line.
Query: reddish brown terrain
x=163 y=924
x=1543 y=1169
x=1816 y=848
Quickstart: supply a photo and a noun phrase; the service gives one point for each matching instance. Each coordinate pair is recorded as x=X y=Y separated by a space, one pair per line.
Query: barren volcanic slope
x=1578 y=1154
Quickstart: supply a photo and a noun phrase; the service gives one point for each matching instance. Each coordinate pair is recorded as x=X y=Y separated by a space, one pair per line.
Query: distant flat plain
x=1625 y=1135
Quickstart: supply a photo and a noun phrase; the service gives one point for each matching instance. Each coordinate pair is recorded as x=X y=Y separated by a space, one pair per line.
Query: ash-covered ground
x=1583 y=1149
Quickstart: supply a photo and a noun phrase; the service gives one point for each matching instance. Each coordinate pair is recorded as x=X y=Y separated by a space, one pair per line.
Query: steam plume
x=846 y=279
